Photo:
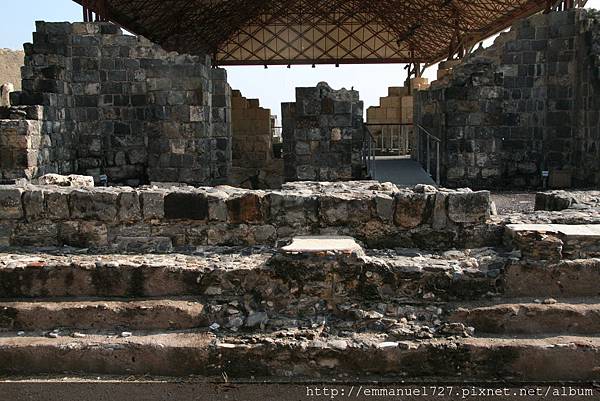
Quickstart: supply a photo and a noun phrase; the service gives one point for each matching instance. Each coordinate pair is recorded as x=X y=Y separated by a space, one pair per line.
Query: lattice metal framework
x=261 y=32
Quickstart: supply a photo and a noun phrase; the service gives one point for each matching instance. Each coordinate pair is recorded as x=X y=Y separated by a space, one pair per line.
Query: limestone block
x=73 y=180
x=397 y=91
x=469 y=207
x=10 y=203
x=410 y=209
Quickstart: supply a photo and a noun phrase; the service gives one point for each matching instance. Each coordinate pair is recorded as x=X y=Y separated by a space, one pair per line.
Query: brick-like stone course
x=119 y=105
x=525 y=105
x=119 y=216
x=323 y=135
x=11 y=62
x=253 y=162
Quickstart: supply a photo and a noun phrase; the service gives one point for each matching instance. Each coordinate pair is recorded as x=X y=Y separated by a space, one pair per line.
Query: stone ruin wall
x=159 y=219
x=525 y=105
x=253 y=162
x=323 y=135
x=95 y=101
x=11 y=62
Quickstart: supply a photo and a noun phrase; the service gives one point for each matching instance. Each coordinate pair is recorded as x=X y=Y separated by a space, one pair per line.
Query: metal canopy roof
x=261 y=32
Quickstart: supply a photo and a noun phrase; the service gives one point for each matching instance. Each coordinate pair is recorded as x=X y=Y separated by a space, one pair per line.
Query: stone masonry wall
x=253 y=162
x=119 y=105
x=525 y=105
x=21 y=141
x=323 y=135
x=11 y=62
x=396 y=108
x=156 y=219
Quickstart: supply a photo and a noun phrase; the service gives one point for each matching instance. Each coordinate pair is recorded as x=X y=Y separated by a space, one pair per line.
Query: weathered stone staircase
x=507 y=311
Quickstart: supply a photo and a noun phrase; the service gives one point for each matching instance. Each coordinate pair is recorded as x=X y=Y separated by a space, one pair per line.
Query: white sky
x=272 y=86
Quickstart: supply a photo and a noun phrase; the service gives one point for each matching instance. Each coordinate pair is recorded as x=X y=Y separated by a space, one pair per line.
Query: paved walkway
x=401 y=171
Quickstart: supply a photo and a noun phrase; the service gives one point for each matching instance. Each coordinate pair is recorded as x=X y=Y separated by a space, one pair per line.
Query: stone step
x=261 y=273
x=564 y=317
x=394 y=319
x=564 y=279
x=555 y=241
x=80 y=314
x=296 y=357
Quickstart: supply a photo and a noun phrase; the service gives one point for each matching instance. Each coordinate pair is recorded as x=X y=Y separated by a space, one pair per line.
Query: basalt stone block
x=96 y=205
x=469 y=207
x=36 y=234
x=385 y=207
x=186 y=206
x=129 y=206
x=6 y=232
x=83 y=234
x=440 y=211
x=293 y=209
x=10 y=203
x=410 y=209
x=217 y=206
x=334 y=210
x=143 y=244
x=246 y=208
x=33 y=204
x=56 y=205
x=152 y=204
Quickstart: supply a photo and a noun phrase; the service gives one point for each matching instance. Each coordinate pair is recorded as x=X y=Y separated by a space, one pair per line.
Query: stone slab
x=569 y=230
x=321 y=244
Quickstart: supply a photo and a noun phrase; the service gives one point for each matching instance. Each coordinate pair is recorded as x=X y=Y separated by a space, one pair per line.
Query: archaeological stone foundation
x=148 y=230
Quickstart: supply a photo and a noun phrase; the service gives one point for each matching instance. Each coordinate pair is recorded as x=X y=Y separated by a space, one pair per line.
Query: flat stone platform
x=323 y=244
x=577 y=230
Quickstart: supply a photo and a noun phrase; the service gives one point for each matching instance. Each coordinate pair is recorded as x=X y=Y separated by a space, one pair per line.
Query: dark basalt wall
x=527 y=104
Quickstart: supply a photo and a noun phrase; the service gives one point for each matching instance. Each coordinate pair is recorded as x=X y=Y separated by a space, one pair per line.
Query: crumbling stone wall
x=11 y=62
x=253 y=162
x=119 y=105
x=21 y=141
x=161 y=218
x=323 y=135
x=525 y=105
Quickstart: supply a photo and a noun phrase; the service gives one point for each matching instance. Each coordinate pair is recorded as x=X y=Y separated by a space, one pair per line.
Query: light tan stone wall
x=252 y=146
x=11 y=62
x=395 y=108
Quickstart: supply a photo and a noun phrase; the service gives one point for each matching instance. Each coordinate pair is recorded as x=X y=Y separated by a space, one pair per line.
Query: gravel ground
x=514 y=202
